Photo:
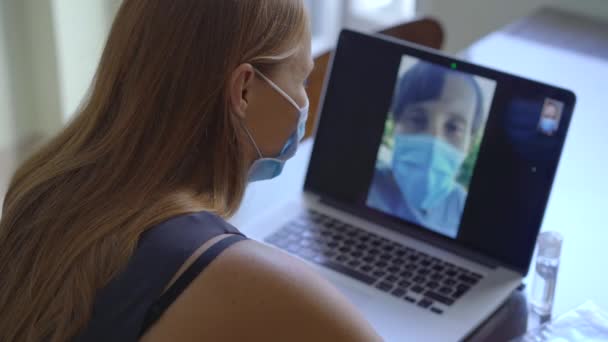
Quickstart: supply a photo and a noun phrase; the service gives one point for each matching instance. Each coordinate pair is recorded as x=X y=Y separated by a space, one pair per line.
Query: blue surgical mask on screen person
x=548 y=125
x=268 y=168
x=425 y=169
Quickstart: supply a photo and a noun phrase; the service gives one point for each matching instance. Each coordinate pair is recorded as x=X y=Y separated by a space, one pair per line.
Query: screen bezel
x=424 y=54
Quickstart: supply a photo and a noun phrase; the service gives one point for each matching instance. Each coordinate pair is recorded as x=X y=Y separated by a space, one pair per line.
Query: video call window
x=430 y=145
x=550 y=117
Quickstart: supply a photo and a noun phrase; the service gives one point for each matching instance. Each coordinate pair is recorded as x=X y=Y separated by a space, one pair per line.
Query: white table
x=579 y=201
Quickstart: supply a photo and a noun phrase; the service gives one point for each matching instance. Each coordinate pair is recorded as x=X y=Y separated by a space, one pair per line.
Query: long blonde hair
x=155 y=138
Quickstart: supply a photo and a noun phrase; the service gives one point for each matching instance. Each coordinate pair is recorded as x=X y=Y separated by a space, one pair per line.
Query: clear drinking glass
x=545 y=272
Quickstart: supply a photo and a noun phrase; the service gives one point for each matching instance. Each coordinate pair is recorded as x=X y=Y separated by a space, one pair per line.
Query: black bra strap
x=184 y=280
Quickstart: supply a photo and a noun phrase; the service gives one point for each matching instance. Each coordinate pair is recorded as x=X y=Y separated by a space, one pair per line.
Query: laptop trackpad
x=357 y=296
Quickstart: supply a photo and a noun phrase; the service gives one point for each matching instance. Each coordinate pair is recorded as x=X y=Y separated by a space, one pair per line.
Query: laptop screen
x=428 y=145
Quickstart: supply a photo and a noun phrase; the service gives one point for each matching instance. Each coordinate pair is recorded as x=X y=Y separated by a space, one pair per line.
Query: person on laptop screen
x=433 y=126
x=549 y=119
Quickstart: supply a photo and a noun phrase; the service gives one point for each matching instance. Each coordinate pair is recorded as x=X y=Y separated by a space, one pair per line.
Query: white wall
x=111 y=9
x=29 y=94
x=49 y=50
x=465 y=21
x=15 y=74
x=80 y=32
x=7 y=125
x=44 y=78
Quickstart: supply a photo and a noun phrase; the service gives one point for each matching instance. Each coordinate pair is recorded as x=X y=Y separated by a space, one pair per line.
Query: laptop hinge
x=312 y=197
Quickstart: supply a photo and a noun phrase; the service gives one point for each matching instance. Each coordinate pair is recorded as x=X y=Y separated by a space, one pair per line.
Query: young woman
x=115 y=231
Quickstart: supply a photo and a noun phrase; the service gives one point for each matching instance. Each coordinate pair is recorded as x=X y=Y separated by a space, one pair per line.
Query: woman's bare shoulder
x=256 y=292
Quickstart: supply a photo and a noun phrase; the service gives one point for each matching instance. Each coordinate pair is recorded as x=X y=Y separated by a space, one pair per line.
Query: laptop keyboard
x=404 y=272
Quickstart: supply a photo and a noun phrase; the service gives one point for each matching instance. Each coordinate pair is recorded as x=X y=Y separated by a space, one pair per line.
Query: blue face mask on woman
x=425 y=169
x=268 y=168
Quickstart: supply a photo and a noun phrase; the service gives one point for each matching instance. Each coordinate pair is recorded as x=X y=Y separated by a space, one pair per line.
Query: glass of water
x=545 y=272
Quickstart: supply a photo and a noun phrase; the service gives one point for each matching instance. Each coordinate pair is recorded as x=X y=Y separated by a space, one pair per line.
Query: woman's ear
x=239 y=88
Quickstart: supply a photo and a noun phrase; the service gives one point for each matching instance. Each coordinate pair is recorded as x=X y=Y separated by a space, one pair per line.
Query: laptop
x=426 y=187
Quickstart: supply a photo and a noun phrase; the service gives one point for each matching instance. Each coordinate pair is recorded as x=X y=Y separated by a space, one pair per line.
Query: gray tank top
x=134 y=300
